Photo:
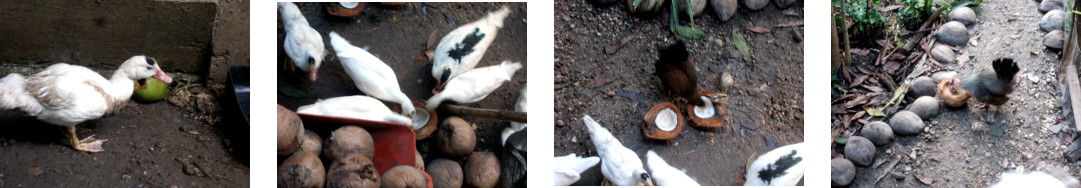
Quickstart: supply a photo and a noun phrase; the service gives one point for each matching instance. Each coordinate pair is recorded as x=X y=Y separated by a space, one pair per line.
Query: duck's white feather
x=519 y=106
x=618 y=163
x=769 y=169
x=666 y=175
x=449 y=51
x=475 y=84
x=371 y=75
x=303 y=44
x=357 y=107
x=569 y=167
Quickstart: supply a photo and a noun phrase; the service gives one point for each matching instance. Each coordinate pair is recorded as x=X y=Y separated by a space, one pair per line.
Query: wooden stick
x=912 y=42
x=484 y=113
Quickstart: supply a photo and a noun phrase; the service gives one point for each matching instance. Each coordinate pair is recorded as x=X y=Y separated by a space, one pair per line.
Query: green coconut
x=151 y=90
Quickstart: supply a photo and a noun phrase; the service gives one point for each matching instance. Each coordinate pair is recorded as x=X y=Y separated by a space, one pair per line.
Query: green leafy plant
x=915 y=12
x=866 y=19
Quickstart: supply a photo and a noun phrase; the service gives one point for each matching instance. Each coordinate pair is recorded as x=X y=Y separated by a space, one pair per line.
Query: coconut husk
x=652 y=131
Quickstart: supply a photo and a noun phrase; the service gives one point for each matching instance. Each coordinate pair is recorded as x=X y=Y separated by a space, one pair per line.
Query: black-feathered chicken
x=677 y=72
x=992 y=86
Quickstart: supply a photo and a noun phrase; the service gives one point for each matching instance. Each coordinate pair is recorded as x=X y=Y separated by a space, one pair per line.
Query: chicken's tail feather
x=1005 y=68
x=675 y=53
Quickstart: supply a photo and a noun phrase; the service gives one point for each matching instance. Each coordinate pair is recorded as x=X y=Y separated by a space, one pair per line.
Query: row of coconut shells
x=953 y=33
x=724 y=9
x=1052 y=23
x=351 y=152
x=860 y=150
x=664 y=121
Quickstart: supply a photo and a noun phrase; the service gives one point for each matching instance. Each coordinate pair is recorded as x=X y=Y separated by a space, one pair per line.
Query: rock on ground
x=1051 y=21
x=953 y=33
x=754 y=4
x=964 y=15
x=1053 y=40
x=842 y=172
x=725 y=9
x=943 y=54
x=922 y=86
x=860 y=150
x=878 y=132
x=906 y=123
x=926 y=107
x=1048 y=5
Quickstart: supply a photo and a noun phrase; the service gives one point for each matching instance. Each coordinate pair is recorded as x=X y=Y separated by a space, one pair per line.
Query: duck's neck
x=122 y=86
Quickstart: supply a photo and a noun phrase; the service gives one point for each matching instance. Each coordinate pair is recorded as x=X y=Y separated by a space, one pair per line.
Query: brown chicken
x=677 y=72
x=992 y=86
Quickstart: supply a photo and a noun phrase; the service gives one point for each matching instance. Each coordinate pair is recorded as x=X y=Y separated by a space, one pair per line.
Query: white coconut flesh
x=666 y=120
x=420 y=119
x=350 y=5
x=704 y=112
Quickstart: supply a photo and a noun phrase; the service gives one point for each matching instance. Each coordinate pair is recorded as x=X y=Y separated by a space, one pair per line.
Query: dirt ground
x=397 y=35
x=1028 y=133
x=150 y=145
x=765 y=103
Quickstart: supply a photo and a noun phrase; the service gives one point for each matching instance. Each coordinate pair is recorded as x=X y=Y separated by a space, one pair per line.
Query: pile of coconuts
x=349 y=150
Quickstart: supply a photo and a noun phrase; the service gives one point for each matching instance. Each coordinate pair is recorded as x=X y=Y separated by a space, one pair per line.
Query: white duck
x=568 y=168
x=619 y=164
x=780 y=167
x=1032 y=179
x=357 y=107
x=475 y=84
x=463 y=47
x=67 y=95
x=520 y=106
x=303 y=44
x=666 y=175
x=371 y=75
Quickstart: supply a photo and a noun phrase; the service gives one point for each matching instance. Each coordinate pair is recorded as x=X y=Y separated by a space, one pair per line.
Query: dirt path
x=1021 y=135
x=617 y=89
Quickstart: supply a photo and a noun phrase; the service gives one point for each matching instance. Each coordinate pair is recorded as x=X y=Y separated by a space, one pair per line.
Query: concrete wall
x=105 y=33
x=231 y=39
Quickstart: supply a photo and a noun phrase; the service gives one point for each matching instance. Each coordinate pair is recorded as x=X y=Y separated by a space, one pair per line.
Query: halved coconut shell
x=717 y=120
x=429 y=127
x=952 y=96
x=335 y=8
x=650 y=126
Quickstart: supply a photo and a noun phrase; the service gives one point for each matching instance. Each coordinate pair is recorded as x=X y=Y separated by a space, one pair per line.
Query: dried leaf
x=758 y=29
x=858 y=80
x=925 y=179
x=874 y=112
x=602 y=80
x=860 y=51
x=873 y=88
x=964 y=58
x=791 y=24
x=611 y=49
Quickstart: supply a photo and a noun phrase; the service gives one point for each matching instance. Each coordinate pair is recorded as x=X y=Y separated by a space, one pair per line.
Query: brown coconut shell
x=950 y=97
x=427 y=129
x=652 y=131
x=716 y=121
x=337 y=10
